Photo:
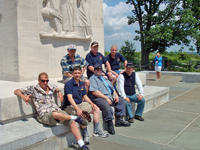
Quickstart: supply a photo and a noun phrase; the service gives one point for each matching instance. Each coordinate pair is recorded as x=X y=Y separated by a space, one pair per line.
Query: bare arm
x=60 y=96
x=101 y=95
x=19 y=93
x=72 y=102
x=108 y=68
x=125 y=63
x=67 y=74
x=83 y=70
x=86 y=98
x=91 y=68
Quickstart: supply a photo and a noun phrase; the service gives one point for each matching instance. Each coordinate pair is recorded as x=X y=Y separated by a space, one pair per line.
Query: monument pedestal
x=25 y=48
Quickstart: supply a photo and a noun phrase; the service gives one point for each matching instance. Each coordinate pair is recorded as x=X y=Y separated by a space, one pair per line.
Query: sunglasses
x=44 y=81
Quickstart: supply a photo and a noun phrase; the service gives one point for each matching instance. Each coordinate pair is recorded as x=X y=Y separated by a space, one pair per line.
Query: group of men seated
x=88 y=95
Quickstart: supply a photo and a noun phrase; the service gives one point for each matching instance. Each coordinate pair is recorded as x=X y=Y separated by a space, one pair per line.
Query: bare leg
x=159 y=75
x=75 y=131
x=113 y=79
x=59 y=116
x=87 y=85
x=74 y=128
x=96 y=114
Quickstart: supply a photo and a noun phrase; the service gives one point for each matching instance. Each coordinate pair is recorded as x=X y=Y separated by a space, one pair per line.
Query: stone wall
x=25 y=48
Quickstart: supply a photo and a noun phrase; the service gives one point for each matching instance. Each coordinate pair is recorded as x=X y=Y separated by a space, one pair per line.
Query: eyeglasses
x=44 y=81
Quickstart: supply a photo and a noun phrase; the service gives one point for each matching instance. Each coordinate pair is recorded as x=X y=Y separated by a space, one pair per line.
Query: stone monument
x=34 y=35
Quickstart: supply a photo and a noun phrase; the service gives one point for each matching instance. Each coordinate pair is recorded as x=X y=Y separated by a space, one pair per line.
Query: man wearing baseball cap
x=126 y=87
x=69 y=61
x=94 y=58
x=103 y=94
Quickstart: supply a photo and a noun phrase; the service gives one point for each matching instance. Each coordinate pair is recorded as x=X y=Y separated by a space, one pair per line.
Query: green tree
x=128 y=50
x=162 y=28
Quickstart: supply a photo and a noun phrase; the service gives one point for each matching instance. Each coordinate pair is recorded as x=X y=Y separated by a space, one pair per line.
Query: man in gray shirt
x=103 y=94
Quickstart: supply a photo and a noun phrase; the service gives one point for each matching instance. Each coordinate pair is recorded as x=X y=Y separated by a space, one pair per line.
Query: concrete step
x=29 y=134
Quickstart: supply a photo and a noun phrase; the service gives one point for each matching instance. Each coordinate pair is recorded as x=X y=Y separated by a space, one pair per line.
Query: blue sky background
x=116 y=28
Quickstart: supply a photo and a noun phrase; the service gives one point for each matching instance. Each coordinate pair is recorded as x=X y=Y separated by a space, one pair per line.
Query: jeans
x=140 y=105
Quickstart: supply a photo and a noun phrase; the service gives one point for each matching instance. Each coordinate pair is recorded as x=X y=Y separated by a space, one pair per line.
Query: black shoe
x=111 y=129
x=131 y=120
x=84 y=147
x=120 y=123
x=139 y=118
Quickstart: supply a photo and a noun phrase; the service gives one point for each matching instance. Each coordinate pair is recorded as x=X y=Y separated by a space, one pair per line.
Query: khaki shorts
x=48 y=119
x=69 y=78
x=83 y=106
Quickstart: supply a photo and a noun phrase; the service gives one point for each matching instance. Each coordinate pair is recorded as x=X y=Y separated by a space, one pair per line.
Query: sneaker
x=86 y=140
x=82 y=121
x=100 y=134
x=84 y=147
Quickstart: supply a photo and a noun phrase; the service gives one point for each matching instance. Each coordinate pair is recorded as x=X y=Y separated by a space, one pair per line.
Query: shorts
x=83 y=106
x=158 y=68
x=69 y=78
x=48 y=119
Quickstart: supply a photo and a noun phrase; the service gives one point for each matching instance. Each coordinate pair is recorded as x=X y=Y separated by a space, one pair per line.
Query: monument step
x=29 y=134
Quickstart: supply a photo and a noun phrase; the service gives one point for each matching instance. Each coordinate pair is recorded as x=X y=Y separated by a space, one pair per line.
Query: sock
x=96 y=126
x=73 y=117
x=85 y=132
x=80 y=143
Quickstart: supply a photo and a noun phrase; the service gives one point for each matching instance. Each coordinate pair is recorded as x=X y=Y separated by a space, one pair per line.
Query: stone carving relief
x=71 y=20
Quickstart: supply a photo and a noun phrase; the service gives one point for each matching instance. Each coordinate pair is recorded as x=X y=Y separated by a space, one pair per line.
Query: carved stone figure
x=72 y=21
x=52 y=17
x=67 y=8
x=82 y=24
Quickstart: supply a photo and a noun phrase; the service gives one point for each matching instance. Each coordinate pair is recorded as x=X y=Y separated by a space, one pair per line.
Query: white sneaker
x=100 y=133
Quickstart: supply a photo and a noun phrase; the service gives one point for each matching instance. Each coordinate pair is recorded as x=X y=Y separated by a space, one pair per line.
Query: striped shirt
x=67 y=64
x=43 y=101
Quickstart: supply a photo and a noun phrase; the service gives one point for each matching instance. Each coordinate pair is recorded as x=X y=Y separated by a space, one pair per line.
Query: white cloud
x=115 y=17
x=120 y=36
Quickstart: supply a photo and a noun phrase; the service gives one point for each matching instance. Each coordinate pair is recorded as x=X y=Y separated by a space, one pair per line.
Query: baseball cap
x=97 y=66
x=71 y=46
x=130 y=65
x=94 y=44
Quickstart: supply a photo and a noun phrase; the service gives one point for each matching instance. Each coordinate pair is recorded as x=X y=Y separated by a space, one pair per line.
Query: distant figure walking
x=158 y=65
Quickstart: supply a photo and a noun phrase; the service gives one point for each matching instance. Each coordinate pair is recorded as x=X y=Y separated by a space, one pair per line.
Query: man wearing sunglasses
x=69 y=61
x=103 y=94
x=76 y=101
x=48 y=112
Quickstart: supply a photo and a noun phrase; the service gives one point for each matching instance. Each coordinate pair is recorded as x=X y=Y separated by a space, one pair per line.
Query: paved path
x=174 y=125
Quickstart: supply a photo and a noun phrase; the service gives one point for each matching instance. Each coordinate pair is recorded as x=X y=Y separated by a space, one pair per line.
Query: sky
x=116 y=28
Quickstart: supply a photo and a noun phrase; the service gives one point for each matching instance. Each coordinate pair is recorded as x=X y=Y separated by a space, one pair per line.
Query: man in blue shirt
x=114 y=59
x=69 y=61
x=77 y=101
x=94 y=58
x=103 y=94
